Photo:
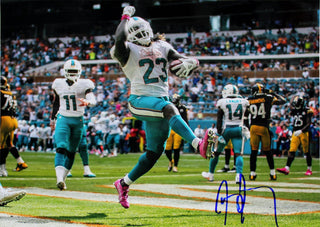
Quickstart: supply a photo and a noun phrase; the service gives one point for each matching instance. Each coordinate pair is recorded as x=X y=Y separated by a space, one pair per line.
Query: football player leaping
x=144 y=61
x=301 y=124
x=261 y=101
x=72 y=95
x=231 y=109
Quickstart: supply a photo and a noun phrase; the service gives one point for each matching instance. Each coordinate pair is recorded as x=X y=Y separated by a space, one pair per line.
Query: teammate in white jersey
x=231 y=109
x=72 y=95
x=145 y=61
x=113 y=136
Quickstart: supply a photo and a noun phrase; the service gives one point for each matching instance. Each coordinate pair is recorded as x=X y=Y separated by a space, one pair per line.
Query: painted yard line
x=248 y=183
x=11 y=220
x=254 y=205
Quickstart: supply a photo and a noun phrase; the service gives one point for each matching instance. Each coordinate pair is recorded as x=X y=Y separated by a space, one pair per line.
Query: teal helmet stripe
x=72 y=62
x=234 y=90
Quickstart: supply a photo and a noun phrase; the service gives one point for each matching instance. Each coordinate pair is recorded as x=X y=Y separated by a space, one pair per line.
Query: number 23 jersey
x=147 y=69
x=68 y=96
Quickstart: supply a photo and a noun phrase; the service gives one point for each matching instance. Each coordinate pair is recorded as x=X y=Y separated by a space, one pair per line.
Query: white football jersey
x=233 y=109
x=24 y=130
x=114 y=127
x=147 y=68
x=68 y=96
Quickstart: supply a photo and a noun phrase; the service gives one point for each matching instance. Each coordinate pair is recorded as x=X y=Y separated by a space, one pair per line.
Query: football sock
x=84 y=155
x=14 y=152
x=270 y=160
x=69 y=160
x=176 y=156
x=180 y=126
x=308 y=159
x=143 y=166
x=169 y=154
x=19 y=160
x=61 y=173
x=228 y=155
x=3 y=155
x=126 y=181
x=59 y=159
x=253 y=160
x=239 y=164
x=290 y=160
x=213 y=164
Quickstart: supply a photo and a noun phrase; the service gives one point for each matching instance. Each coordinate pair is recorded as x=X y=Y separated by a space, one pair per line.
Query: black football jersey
x=8 y=105
x=260 y=108
x=300 y=117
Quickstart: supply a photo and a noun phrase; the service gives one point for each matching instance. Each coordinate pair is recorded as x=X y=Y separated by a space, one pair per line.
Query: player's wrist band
x=125 y=16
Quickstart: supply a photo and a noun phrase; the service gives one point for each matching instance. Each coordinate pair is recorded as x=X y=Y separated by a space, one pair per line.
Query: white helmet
x=72 y=70
x=230 y=90
x=139 y=31
x=112 y=117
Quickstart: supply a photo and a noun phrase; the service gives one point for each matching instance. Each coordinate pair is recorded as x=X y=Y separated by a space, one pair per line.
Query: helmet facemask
x=139 y=31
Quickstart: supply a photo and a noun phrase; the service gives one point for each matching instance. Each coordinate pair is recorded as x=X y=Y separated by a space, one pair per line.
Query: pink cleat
x=283 y=170
x=123 y=193
x=205 y=142
x=308 y=173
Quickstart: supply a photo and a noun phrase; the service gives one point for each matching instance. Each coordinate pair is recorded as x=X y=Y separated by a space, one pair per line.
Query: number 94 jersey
x=260 y=109
x=233 y=108
x=68 y=96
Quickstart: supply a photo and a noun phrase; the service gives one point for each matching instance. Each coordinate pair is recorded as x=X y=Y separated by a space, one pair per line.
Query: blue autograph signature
x=240 y=199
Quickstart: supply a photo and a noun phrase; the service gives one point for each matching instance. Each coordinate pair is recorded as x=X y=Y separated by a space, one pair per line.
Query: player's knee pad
x=61 y=150
x=152 y=156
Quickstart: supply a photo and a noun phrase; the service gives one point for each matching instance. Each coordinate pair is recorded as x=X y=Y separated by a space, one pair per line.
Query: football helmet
x=297 y=102
x=4 y=83
x=176 y=99
x=72 y=70
x=230 y=90
x=257 y=89
x=139 y=31
x=112 y=117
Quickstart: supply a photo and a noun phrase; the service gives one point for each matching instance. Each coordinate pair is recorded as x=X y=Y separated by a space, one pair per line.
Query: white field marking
x=254 y=204
x=75 y=177
x=10 y=220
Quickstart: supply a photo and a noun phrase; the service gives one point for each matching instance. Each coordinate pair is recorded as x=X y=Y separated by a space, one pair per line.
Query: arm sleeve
x=219 y=120
x=56 y=105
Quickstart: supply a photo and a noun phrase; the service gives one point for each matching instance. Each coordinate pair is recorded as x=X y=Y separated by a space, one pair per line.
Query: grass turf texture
x=41 y=174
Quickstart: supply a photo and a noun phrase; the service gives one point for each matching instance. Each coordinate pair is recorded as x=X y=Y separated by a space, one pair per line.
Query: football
x=173 y=64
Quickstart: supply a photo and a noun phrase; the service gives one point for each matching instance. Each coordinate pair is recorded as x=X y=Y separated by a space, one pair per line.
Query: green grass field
x=188 y=188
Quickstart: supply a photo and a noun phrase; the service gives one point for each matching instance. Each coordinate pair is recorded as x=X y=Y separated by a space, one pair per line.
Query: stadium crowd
x=199 y=92
x=17 y=56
